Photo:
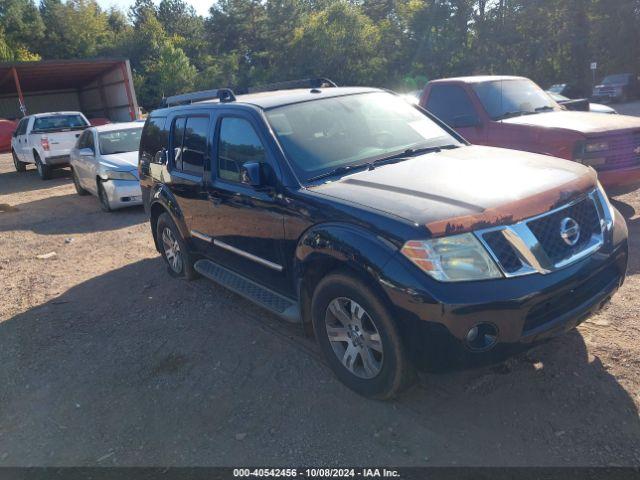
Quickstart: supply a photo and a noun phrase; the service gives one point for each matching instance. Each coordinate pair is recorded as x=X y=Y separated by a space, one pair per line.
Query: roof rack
x=223 y=94
x=319 y=82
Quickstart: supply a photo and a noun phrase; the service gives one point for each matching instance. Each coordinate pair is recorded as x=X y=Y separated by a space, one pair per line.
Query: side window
x=177 y=137
x=82 y=142
x=154 y=139
x=238 y=143
x=22 y=126
x=194 y=146
x=90 y=142
x=451 y=104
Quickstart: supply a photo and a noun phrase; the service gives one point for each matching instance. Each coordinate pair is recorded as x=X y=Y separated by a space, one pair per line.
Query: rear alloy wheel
x=174 y=249
x=44 y=171
x=76 y=183
x=104 y=199
x=20 y=166
x=359 y=338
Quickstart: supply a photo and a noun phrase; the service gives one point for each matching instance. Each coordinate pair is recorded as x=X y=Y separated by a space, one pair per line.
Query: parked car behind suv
x=104 y=162
x=46 y=140
x=513 y=112
x=619 y=87
x=359 y=213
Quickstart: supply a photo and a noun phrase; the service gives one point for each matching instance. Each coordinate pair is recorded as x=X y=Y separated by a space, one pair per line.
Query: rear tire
x=44 y=171
x=174 y=249
x=20 y=166
x=76 y=183
x=365 y=349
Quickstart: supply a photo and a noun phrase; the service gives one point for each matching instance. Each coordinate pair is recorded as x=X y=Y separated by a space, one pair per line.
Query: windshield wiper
x=339 y=171
x=546 y=108
x=408 y=153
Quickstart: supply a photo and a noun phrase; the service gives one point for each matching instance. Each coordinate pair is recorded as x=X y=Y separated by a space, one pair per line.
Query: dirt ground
x=107 y=360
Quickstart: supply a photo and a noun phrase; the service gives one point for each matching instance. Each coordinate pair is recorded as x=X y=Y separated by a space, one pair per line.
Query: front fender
x=354 y=247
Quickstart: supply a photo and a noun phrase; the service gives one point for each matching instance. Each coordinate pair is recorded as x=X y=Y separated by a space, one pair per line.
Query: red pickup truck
x=514 y=112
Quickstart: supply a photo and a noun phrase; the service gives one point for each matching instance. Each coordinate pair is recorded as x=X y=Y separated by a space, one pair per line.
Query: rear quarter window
x=153 y=140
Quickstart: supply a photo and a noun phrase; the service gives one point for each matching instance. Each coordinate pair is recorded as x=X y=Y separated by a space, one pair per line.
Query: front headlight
x=452 y=259
x=117 y=175
x=591 y=147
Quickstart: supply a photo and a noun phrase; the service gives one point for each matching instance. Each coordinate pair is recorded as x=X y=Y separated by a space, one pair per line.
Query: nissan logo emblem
x=569 y=231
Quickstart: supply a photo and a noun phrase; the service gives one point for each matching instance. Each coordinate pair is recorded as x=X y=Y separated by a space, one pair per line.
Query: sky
x=201 y=6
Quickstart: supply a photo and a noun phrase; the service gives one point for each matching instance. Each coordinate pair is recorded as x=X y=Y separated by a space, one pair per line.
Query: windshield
x=322 y=135
x=120 y=141
x=59 y=123
x=616 y=79
x=512 y=98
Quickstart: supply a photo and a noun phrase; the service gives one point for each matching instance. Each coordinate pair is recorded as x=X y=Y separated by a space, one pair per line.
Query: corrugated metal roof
x=53 y=74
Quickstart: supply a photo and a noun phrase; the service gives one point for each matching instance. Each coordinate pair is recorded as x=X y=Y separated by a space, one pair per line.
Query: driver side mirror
x=467 y=120
x=86 y=152
x=251 y=175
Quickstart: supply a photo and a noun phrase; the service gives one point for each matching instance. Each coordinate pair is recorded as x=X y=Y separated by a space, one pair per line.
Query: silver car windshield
x=120 y=141
x=322 y=135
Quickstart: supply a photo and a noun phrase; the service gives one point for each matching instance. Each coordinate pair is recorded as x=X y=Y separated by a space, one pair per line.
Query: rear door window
x=451 y=104
x=189 y=143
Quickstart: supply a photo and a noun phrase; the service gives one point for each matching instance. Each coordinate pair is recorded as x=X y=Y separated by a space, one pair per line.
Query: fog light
x=481 y=337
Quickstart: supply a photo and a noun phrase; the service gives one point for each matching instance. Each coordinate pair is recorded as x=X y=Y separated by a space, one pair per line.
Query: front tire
x=174 y=249
x=44 y=171
x=359 y=338
x=104 y=199
x=20 y=166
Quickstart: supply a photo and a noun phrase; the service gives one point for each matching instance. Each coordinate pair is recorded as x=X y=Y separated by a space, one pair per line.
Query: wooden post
x=23 y=107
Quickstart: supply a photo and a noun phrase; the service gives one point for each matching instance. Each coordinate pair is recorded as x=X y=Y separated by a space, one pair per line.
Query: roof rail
x=319 y=82
x=222 y=94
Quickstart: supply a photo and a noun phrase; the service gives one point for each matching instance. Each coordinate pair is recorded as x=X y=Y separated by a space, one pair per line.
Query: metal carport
x=100 y=87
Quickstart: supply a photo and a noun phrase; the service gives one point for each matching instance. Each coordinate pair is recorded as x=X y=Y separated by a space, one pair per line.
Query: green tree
x=339 y=42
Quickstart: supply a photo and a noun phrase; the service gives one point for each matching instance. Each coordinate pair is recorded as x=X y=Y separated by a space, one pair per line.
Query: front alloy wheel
x=359 y=337
x=354 y=338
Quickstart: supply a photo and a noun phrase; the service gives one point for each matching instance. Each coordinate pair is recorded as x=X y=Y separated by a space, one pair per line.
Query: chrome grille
x=623 y=151
x=536 y=245
x=547 y=229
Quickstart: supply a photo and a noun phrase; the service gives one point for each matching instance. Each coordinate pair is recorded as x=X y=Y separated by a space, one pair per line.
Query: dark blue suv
x=369 y=219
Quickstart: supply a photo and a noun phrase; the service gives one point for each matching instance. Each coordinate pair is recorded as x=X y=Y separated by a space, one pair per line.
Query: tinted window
x=119 y=141
x=194 y=146
x=620 y=78
x=58 y=122
x=176 y=141
x=154 y=139
x=238 y=143
x=86 y=140
x=451 y=104
x=22 y=126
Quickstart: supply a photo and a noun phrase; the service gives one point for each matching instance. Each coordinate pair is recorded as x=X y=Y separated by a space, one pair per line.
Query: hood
x=465 y=188
x=121 y=161
x=582 y=122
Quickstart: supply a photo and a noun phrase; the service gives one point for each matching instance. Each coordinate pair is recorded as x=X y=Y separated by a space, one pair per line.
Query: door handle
x=216 y=200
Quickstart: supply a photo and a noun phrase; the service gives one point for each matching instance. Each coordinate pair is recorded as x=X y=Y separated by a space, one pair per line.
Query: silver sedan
x=104 y=162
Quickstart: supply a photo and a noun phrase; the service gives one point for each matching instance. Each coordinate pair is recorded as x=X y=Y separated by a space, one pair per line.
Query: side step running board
x=272 y=301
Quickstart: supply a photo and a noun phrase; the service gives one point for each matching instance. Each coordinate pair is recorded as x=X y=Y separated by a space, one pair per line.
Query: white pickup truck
x=46 y=139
